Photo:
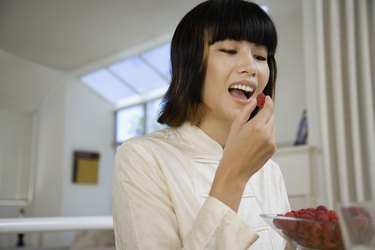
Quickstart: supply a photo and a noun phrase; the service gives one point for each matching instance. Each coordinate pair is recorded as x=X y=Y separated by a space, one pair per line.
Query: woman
x=202 y=182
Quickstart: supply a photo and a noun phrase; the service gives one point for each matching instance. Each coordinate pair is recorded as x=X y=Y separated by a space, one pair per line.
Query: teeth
x=242 y=87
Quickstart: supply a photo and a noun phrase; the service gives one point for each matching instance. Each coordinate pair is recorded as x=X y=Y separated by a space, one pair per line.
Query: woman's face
x=236 y=71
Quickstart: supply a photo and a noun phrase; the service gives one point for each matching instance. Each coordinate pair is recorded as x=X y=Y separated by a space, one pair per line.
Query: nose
x=247 y=65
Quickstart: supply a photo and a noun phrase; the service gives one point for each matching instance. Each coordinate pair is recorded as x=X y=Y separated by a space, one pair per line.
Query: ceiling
x=68 y=35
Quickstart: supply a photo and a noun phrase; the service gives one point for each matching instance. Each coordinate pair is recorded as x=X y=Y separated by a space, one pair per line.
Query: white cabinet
x=296 y=164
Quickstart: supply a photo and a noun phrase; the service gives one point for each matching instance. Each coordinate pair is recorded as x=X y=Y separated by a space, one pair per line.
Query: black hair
x=207 y=23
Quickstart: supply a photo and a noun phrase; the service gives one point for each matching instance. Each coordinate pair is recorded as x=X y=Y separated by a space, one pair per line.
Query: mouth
x=241 y=91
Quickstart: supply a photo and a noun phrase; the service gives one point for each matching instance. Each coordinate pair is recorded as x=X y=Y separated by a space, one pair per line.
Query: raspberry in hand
x=261 y=99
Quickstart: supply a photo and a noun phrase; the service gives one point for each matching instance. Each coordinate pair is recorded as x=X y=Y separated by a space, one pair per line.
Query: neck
x=217 y=130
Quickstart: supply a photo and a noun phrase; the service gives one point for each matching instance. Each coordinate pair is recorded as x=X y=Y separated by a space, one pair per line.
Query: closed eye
x=229 y=51
x=260 y=58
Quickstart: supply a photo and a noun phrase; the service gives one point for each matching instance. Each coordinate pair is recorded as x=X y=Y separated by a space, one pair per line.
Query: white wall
x=49 y=161
x=70 y=117
x=50 y=138
x=290 y=99
x=15 y=152
x=89 y=126
x=312 y=97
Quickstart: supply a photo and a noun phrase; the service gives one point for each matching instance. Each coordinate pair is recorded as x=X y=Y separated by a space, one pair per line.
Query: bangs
x=233 y=21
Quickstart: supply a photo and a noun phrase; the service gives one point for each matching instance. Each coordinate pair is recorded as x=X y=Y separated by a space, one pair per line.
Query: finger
x=271 y=124
x=266 y=111
x=245 y=112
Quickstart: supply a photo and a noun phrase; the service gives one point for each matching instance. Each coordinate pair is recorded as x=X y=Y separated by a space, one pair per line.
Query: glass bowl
x=357 y=220
x=306 y=233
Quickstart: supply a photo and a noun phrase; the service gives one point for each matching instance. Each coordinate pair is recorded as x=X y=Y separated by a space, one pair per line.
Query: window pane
x=153 y=109
x=106 y=85
x=159 y=58
x=129 y=123
x=135 y=72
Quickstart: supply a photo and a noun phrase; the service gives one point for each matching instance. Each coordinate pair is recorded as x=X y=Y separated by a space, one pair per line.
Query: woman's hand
x=250 y=143
x=249 y=146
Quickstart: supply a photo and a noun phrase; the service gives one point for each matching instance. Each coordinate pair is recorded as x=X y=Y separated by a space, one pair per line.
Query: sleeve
x=219 y=227
x=144 y=216
x=285 y=205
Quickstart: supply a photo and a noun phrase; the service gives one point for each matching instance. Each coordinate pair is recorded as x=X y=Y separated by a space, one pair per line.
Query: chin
x=233 y=115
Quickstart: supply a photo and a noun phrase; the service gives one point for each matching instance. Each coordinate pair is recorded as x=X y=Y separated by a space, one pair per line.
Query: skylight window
x=135 y=80
x=159 y=59
x=108 y=86
x=138 y=75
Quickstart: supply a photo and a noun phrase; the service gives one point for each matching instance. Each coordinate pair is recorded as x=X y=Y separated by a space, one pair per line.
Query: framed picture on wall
x=85 y=167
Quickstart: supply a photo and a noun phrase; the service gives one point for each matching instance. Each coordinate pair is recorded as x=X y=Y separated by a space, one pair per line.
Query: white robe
x=160 y=197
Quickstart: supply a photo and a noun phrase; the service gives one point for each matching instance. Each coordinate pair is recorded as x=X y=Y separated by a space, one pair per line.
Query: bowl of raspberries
x=308 y=228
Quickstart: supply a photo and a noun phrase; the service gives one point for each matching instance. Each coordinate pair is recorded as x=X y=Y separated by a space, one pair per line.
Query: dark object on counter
x=302 y=130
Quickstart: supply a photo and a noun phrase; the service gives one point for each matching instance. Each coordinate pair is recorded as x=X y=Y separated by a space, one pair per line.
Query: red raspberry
x=261 y=99
x=304 y=230
x=321 y=207
x=328 y=229
x=290 y=214
x=330 y=242
x=313 y=242
x=290 y=225
x=316 y=230
x=322 y=217
x=332 y=215
x=306 y=216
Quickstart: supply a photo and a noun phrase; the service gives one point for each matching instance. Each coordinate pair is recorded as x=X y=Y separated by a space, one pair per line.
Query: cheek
x=215 y=69
x=264 y=75
x=215 y=75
